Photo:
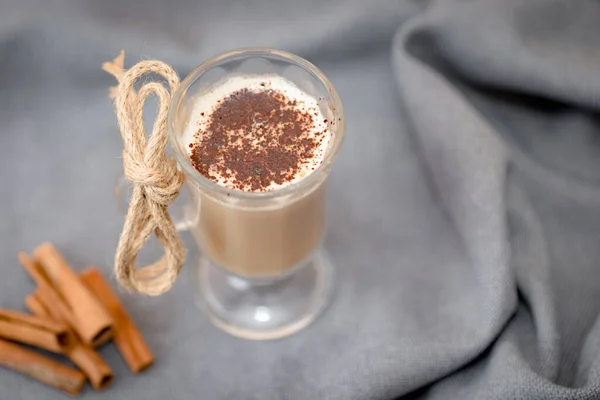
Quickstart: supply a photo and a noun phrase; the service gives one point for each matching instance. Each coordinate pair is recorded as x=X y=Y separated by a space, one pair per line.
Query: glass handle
x=180 y=210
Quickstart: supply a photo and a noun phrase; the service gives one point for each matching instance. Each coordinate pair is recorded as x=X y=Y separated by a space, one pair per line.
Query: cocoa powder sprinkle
x=254 y=138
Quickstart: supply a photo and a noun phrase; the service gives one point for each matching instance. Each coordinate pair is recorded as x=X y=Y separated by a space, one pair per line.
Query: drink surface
x=257 y=133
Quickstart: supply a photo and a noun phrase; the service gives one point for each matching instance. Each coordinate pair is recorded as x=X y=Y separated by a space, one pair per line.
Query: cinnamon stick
x=88 y=317
x=37 y=308
x=41 y=368
x=128 y=338
x=36 y=331
x=43 y=285
x=91 y=363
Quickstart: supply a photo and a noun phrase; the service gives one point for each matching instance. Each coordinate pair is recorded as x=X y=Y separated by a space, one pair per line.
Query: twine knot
x=155 y=177
x=161 y=183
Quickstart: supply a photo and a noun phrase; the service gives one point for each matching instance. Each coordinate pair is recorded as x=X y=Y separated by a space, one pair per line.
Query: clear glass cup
x=262 y=272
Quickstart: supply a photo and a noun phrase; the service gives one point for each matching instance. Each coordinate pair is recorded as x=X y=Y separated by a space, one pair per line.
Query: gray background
x=464 y=207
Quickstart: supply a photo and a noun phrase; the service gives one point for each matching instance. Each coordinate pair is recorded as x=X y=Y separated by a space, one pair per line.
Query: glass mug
x=262 y=272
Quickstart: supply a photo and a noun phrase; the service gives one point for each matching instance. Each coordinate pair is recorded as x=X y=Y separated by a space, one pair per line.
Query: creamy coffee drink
x=258 y=134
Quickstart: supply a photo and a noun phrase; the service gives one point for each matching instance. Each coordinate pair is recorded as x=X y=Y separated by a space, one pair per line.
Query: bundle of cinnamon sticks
x=70 y=314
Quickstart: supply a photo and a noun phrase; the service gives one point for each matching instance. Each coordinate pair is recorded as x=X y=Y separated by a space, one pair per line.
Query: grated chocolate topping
x=254 y=139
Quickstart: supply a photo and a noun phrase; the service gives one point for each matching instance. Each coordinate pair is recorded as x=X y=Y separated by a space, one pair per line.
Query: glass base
x=265 y=308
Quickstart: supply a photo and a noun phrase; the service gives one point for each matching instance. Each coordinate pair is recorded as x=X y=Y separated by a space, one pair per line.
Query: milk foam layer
x=207 y=102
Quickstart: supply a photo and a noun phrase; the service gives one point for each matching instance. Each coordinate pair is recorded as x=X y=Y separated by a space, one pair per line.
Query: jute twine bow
x=155 y=177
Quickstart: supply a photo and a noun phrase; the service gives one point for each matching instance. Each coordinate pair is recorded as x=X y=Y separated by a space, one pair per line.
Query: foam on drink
x=257 y=133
